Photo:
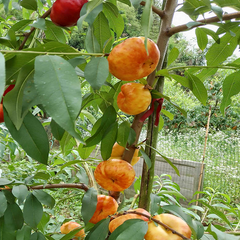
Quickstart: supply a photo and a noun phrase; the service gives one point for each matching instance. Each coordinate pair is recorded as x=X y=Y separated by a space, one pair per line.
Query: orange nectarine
x=160 y=233
x=69 y=226
x=121 y=219
x=134 y=98
x=106 y=205
x=130 y=61
x=114 y=174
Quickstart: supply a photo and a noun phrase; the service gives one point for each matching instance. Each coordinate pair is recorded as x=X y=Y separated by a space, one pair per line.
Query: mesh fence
x=222 y=159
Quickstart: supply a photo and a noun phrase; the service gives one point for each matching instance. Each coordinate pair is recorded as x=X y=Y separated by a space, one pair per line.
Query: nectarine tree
x=113 y=75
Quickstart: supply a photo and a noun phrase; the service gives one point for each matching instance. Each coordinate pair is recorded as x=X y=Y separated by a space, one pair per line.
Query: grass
x=222 y=158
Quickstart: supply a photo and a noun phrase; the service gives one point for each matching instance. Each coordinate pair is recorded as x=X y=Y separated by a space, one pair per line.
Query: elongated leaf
x=89 y=203
x=202 y=38
x=218 y=11
x=218 y=53
x=146 y=158
x=4 y=181
x=155 y=203
x=96 y=72
x=108 y=141
x=123 y=133
x=172 y=56
x=2 y=74
x=13 y=100
x=54 y=32
x=167 y=114
x=211 y=33
x=20 y=192
x=31 y=136
x=57 y=131
x=24 y=233
x=220 y=235
x=37 y=236
x=85 y=152
x=29 y=4
x=13 y=217
x=147 y=20
x=32 y=211
x=44 y=198
x=91 y=42
x=198 y=88
x=59 y=88
x=3 y=204
x=102 y=32
x=99 y=231
x=133 y=229
x=115 y=19
x=231 y=87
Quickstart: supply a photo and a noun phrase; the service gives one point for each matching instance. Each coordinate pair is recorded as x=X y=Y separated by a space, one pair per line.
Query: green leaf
x=21 y=25
x=220 y=235
x=44 y=221
x=173 y=55
x=44 y=198
x=37 y=236
x=2 y=74
x=123 y=133
x=218 y=53
x=96 y=72
x=82 y=176
x=54 y=32
x=13 y=100
x=167 y=114
x=20 y=192
x=57 y=131
x=24 y=233
x=127 y=2
x=182 y=80
x=32 y=211
x=4 y=181
x=89 y=204
x=84 y=152
x=202 y=38
x=115 y=19
x=91 y=43
x=211 y=33
x=31 y=136
x=147 y=20
x=146 y=158
x=155 y=203
x=198 y=88
x=131 y=136
x=218 y=11
x=231 y=87
x=3 y=204
x=60 y=90
x=108 y=141
x=108 y=118
x=13 y=217
x=135 y=3
x=6 y=4
x=29 y=4
x=133 y=229
x=99 y=231
x=40 y=24
x=102 y=32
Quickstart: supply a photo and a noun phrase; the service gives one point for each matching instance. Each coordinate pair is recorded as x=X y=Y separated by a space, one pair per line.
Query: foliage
x=52 y=76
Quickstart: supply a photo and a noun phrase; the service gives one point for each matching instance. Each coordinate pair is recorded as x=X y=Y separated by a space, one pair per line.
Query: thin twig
x=46 y=14
x=184 y=27
x=158 y=222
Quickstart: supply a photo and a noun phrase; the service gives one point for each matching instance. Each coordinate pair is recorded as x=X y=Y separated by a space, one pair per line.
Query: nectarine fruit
x=69 y=226
x=114 y=174
x=160 y=233
x=130 y=61
x=121 y=219
x=106 y=205
x=134 y=98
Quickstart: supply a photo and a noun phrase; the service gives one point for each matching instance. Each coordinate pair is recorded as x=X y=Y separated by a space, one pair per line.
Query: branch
x=159 y=12
x=206 y=21
x=60 y=185
x=46 y=14
x=158 y=222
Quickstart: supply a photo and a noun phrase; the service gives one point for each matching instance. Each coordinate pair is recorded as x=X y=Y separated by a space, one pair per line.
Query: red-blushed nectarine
x=106 y=205
x=1 y=113
x=66 y=13
x=114 y=175
x=130 y=61
x=160 y=233
x=118 y=150
x=121 y=219
x=69 y=226
x=134 y=98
